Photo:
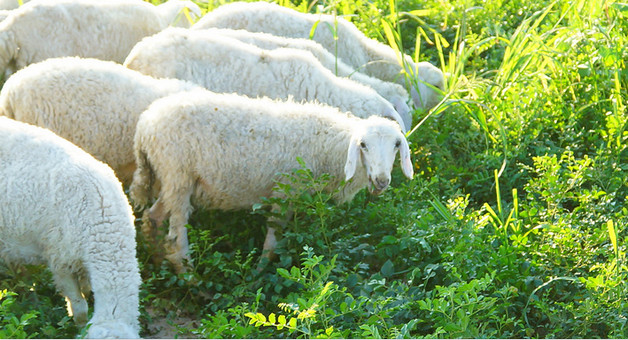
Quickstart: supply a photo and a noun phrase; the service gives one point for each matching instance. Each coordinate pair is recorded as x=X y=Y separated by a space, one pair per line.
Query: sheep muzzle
x=378 y=185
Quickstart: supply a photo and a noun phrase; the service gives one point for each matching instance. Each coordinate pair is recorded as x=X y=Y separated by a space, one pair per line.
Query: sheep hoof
x=80 y=321
x=181 y=264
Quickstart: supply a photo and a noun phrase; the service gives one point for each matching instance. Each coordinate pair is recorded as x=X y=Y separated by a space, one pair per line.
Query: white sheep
x=394 y=93
x=172 y=11
x=224 y=151
x=353 y=47
x=4 y=13
x=10 y=4
x=61 y=207
x=92 y=103
x=223 y=64
x=106 y=30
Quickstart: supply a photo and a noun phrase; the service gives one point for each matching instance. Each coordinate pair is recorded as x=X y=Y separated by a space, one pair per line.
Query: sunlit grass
x=513 y=227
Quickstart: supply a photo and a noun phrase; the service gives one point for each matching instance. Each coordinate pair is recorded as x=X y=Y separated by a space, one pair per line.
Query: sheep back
x=224 y=64
x=88 y=28
x=352 y=46
x=92 y=103
x=392 y=92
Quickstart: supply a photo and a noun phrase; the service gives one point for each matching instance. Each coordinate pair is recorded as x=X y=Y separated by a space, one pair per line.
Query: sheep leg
x=84 y=285
x=177 y=246
x=156 y=216
x=68 y=285
x=270 y=242
x=125 y=173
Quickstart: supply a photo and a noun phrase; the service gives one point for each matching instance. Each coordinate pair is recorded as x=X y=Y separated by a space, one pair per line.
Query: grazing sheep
x=354 y=48
x=223 y=64
x=392 y=92
x=224 y=151
x=61 y=207
x=106 y=30
x=92 y=103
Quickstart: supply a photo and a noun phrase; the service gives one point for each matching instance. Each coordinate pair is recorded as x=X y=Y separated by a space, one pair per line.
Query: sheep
x=224 y=151
x=4 y=13
x=354 y=48
x=224 y=64
x=61 y=207
x=10 y=4
x=171 y=11
x=92 y=103
x=394 y=93
x=106 y=30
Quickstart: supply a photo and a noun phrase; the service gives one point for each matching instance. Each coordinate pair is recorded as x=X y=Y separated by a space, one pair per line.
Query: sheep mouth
x=376 y=190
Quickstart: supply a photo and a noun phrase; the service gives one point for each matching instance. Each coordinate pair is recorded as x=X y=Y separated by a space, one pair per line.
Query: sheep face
x=375 y=147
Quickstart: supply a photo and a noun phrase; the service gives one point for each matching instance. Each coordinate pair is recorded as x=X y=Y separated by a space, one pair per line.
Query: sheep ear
x=393 y=114
x=406 y=162
x=352 y=159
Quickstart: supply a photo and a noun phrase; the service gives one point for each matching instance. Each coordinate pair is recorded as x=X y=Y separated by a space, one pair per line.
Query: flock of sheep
x=206 y=115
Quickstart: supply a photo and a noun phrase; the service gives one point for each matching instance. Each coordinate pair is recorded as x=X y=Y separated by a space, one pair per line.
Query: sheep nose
x=381 y=183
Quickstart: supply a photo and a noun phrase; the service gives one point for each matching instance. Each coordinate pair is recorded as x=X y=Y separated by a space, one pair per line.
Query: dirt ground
x=163 y=327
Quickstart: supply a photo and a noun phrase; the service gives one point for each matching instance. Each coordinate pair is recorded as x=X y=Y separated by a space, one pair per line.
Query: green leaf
x=423 y=12
x=329 y=330
x=251 y=316
x=283 y=273
x=281 y=320
x=388 y=269
x=313 y=30
x=292 y=323
x=621 y=7
x=611 y=232
x=272 y=318
x=393 y=8
x=390 y=36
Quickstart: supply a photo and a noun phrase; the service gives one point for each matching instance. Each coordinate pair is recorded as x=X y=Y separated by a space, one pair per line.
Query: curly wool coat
x=104 y=30
x=92 y=103
x=224 y=64
x=338 y=36
x=224 y=151
x=61 y=207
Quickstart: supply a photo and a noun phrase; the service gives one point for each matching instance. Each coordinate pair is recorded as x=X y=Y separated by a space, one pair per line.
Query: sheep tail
x=141 y=188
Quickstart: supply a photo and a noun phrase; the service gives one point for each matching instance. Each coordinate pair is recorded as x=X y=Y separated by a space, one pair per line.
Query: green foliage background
x=514 y=226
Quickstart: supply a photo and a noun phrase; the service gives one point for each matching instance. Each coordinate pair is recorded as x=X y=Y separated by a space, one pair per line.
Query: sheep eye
x=363 y=145
x=398 y=143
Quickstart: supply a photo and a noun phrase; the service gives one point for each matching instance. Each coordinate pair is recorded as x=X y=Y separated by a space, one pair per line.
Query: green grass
x=514 y=226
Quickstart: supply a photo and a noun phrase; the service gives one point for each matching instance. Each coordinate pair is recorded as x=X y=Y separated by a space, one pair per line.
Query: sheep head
x=427 y=77
x=403 y=110
x=390 y=112
x=374 y=145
